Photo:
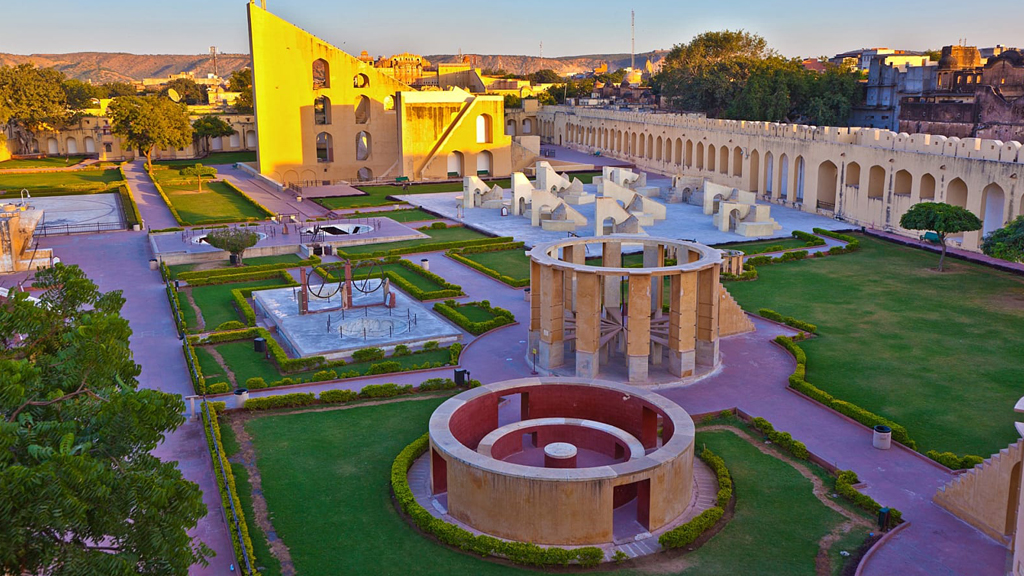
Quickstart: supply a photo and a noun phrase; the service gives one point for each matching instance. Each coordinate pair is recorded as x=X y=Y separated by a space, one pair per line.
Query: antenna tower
x=213 y=52
x=632 y=39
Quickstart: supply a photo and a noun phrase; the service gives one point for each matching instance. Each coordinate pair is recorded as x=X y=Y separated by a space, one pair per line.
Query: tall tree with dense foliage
x=115 y=89
x=31 y=99
x=736 y=75
x=241 y=82
x=149 y=122
x=188 y=91
x=208 y=127
x=78 y=94
x=1007 y=243
x=943 y=219
x=80 y=491
x=199 y=172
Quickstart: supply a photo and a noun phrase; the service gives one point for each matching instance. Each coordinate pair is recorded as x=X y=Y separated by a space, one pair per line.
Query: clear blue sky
x=566 y=27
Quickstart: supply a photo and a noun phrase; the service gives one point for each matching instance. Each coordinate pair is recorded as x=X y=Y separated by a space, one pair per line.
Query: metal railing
x=66 y=229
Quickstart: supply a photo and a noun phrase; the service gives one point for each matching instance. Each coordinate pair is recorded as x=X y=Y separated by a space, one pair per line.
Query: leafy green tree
x=546 y=76
x=241 y=82
x=115 y=89
x=234 y=240
x=78 y=94
x=513 y=101
x=31 y=99
x=80 y=490
x=943 y=219
x=544 y=98
x=612 y=77
x=208 y=127
x=709 y=72
x=199 y=172
x=147 y=122
x=1006 y=243
x=571 y=89
x=190 y=92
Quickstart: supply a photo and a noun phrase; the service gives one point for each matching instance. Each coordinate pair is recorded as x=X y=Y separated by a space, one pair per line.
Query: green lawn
x=216 y=304
x=247 y=261
x=410 y=215
x=761 y=247
x=325 y=478
x=420 y=281
x=216 y=203
x=86 y=181
x=475 y=313
x=45 y=162
x=244 y=362
x=439 y=235
x=211 y=369
x=512 y=263
x=377 y=195
x=938 y=353
x=212 y=159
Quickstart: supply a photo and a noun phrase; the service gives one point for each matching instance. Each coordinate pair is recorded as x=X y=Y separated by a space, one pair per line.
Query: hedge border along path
x=750 y=264
x=459 y=255
x=499 y=316
x=445 y=289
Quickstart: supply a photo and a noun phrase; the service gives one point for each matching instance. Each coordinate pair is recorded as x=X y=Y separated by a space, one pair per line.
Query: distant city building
x=861 y=59
x=813 y=65
x=971 y=97
x=892 y=77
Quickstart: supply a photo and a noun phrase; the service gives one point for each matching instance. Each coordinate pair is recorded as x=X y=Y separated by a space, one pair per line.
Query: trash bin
x=882 y=438
x=153 y=264
x=318 y=250
x=461 y=377
x=526 y=294
x=241 y=395
x=328 y=249
x=425 y=264
x=883 y=518
x=259 y=344
x=233 y=259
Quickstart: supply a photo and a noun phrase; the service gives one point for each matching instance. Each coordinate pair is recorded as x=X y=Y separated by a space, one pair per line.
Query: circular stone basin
x=202 y=239
x=332 y=230
x=373 y=327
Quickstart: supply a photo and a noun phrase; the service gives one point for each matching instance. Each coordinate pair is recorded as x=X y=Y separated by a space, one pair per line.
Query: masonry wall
x=867 y=177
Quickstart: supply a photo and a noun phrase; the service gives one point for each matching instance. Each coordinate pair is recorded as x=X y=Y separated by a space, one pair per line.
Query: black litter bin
x=883 y=518
x=461 y=377
x=260 y=344
x=233 y=259
x=318 y=250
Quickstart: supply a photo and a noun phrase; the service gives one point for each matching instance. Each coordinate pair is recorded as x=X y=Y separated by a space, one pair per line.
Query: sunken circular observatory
x=561 y=461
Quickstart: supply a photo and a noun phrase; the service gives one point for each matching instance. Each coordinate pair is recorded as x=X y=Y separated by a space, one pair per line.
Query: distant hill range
x=563 y=65
x=103 y=67
x=100 y=67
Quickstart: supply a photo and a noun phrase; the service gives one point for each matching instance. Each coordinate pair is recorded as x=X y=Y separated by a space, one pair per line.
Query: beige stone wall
x=987 y=496
x=731 y=318
x=868 y=177
x=566 y=512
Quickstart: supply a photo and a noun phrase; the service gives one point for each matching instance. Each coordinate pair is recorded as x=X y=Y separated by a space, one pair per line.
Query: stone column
x=654 y=257
x=552 y=320
x=638 y=344
x=535 y=298
x=682 y=324
x=707 y=316
x=588 y=324
x=611 y=257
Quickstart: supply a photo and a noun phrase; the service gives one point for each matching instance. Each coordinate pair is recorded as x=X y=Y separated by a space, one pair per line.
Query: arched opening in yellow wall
x=755 y=170
x=956 y=193
x=455 y=164
x=484 y=161
x=737 y=162
x=723 y=160
x=362 y=110
x=853 y=175
x=389 y=103
x=903 y=183
x=876 y=182
x=828 y=176
x=321 y=74
x=322 y=110
x=360 y=81
x=927 y=187
x=324 y=147
x=484 y=129
x=363 y=145
x=364 y=174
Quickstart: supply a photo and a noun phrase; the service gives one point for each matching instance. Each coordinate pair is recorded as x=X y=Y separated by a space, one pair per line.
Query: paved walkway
x=154 y=211
x=277 y=202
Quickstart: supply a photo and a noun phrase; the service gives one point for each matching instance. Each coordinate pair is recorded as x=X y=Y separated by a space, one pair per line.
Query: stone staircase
x=982 y=496
x=731 y=318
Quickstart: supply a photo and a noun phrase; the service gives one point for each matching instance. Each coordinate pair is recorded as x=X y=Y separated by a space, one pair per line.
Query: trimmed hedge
x=688 y=533
x=798 y=382
x=845 y=479
x=457 y=254
x=954 y=462
x=281 y=401
x=388 y=390
x=516 y=552
x=810 y=240
x=172 y=298
x=447 y=289
x=437 y=384
x=430 y=247
x=338 y=396
x=250 y=199
x=782 y=439
x=852 y=243
x=239 y=275
x=368 y=354
x=188 y=276
x=161 y=230
x=450 y=310
x=787 y=320
x=218 y=454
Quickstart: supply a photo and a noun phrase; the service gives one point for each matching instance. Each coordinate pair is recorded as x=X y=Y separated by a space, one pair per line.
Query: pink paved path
x=753 y=379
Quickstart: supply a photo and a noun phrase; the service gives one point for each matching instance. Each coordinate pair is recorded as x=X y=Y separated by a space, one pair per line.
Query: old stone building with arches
x=867 y=177
x=325 y=116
